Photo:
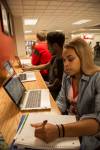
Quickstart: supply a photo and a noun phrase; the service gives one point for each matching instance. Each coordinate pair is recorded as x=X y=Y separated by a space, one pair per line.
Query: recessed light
x=59 y=30
x=30 y=21
x=27 y=31
x=81 y=21
x=93 y=29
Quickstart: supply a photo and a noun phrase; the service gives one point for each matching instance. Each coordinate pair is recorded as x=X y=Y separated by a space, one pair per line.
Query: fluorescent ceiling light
x=27 y=31
x=93 y=29
x=30 y=21
x=81 y=21
x=59 y=30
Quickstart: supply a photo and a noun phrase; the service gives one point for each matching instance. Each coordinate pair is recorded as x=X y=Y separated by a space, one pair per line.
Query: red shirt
x=41 y=55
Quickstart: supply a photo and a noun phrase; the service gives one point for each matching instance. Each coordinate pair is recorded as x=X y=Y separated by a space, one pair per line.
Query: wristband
x=63 y=130
x=58 y=130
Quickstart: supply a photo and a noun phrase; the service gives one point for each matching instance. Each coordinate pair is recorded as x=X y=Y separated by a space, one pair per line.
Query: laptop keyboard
x=22 y=76
x=34 y=99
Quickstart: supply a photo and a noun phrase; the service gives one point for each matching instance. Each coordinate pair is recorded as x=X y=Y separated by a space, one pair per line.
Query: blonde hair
x=41 y=36
x=84 y=52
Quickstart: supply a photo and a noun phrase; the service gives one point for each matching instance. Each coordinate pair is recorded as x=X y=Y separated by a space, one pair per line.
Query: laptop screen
x=9 y=68
x=15 y=89
x=18 y=60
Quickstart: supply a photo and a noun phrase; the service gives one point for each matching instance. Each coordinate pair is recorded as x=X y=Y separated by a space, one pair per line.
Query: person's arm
x=57 y=73
x=38 y=67
x=55 y=84
x=81 y=128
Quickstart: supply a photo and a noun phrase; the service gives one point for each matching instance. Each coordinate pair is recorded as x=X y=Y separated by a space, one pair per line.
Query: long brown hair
x=84 y=52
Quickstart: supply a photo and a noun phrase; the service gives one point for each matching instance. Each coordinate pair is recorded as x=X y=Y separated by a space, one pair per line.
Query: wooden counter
x=10 y=114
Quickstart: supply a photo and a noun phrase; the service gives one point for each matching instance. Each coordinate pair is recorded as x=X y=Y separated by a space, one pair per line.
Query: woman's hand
x=47 y=132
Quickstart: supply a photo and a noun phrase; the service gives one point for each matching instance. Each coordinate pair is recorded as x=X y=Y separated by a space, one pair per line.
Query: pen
x=23 y=123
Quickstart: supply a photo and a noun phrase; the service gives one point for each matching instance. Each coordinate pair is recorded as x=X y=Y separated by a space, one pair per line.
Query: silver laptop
x=27 y=100
x=25 y=76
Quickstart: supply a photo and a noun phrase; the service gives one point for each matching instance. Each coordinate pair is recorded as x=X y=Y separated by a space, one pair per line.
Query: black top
x=55 y=75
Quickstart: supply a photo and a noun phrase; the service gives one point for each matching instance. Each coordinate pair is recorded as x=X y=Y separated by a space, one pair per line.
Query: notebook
x=25 y=135
x=25 y=76
x=26 y=100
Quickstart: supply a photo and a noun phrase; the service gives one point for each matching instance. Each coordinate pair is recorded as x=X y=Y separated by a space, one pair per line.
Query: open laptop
x=25 y=76
x=22 y=62
x=26 y=100
x=26 y=61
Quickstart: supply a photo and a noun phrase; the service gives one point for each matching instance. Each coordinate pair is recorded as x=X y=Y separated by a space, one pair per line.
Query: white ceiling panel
x=57 y=14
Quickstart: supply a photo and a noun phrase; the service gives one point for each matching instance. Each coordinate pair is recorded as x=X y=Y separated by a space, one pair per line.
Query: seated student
x=55 y=42
x=40 y=53
x=79 y=95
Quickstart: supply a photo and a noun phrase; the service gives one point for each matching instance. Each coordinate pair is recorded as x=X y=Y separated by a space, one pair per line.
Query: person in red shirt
x=40 y=53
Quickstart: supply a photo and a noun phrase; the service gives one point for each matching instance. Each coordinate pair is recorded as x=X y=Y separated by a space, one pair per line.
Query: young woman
x=79 y=95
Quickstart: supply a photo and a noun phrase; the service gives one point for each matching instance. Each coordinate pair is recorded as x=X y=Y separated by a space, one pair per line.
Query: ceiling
x=57 y=14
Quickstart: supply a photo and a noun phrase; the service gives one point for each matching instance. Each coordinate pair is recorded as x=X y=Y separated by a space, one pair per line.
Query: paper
x=30 y=76
x=26 y=137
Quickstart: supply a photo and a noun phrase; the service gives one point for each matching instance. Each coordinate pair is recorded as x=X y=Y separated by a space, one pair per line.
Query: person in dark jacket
x=55 y=42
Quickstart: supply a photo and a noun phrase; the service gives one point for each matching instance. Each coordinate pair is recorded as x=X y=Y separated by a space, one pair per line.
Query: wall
x=30 y=37
x=7 y=52
x=19 y=34
x=7 y=47
x=7 y=43
x=94 y=37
